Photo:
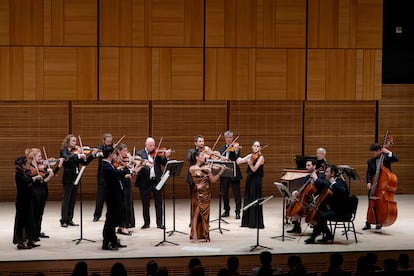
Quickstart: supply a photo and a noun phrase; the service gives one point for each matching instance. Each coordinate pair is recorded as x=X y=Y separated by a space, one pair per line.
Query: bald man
x=147 y=179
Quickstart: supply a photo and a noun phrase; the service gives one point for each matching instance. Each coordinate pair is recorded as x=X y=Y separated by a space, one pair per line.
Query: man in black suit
x=100 y=187
x=233 y=182
x=198 y=145
x=148 y=178
x=71 y=162
x=389 y=157
x=336 y=205
x=113 y=198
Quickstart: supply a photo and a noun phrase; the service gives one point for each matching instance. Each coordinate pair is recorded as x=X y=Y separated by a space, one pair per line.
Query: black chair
x=346 y=222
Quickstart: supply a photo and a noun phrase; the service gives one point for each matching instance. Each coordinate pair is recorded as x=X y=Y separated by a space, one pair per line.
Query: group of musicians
x=117 y=166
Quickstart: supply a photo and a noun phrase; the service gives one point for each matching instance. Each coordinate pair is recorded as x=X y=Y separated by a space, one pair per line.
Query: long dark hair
x=19 y=162
x=193 y=159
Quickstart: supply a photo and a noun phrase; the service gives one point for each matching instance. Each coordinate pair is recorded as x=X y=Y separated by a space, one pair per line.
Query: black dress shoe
x=31 y=244
x=124 y=233
x=378 y=227
x=109 y=246
x=367 y=226
x=161 y=226
x=327 y=238
x=43 y=236
x=95 y=219
x=225 y=214
x=237 y=216
x=144 y=226
x=71 y=223
x=22 y=246
x=310 y=240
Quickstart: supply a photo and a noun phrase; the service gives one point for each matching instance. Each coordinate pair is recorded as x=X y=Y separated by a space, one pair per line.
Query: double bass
x=382 y=208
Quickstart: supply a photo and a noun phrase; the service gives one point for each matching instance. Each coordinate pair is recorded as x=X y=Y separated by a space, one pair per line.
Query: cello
x=382 y=208
x=314 y=213
x=298 y=207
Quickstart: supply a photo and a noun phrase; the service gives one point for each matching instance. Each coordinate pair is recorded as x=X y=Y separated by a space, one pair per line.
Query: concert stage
x=236 y=241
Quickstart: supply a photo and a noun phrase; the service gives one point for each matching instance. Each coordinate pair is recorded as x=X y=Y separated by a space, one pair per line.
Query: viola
x=160 y=152
x=235 y=146
x=213 y=154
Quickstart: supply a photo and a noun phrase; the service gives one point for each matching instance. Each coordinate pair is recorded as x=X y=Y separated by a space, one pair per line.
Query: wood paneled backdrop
x=295 y=74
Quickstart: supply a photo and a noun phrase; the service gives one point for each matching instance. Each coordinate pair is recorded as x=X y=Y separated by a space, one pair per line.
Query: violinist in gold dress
x=202 y=177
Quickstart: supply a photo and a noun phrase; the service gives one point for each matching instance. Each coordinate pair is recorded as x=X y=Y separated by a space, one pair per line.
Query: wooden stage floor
x=235 y=241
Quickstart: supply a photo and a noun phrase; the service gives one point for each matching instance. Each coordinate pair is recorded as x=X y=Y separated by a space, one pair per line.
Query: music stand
x=173 y=174
x=350 y=173
x=286 y=196
x=172 y=168
x=77 y=181
x=231 y=172
x=258 y=202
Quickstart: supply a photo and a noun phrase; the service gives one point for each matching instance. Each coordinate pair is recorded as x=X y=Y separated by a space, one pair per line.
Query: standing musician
x=198 y=145
x=202 y=176
x=148 y=178
x=336 y=207
x=73 y=157
x=39 y=187
x=389 y=157
x=113 y=180
x=252 y=217
x=231 y=151
x=309 y=179
x=124 y=159
x=100 y=187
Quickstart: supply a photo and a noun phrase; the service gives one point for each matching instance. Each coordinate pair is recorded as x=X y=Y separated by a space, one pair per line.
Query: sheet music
x=78 y=178
x=164 y=178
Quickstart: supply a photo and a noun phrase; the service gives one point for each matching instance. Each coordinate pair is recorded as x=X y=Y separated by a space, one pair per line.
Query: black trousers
x=100 y=198
x=68 y=202
x=145 y=199
x=40 y=194
x=113 y=214
x=225 y=184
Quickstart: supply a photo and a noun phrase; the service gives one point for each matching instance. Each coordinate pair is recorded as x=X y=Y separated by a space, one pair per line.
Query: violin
x=85 y=149
x=233 y=147
x=213 y=154
x=160 y=152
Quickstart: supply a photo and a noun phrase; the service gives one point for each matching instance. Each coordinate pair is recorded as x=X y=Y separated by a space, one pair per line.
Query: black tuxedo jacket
x=71 y=165
x=372 y=165
x=113 y=178
x=143 y=178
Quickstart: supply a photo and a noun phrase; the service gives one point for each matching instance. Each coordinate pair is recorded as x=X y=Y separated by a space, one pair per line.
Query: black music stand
x=286 y=196
x=178 y=165
x=231 y=172
x=172 y=168
x=350 y=174
x=77 y=182
x=258 y=202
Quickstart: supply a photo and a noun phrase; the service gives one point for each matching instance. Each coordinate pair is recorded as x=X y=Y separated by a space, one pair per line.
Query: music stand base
x=220 y=219
x=254 y=247
x=82 y=239
x=283 y=237
x=175 y=231
x=220 y=229
x=162 y=243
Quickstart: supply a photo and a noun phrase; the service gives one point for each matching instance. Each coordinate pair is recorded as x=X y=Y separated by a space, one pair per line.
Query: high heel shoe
x=22 y=246
x=31 y=244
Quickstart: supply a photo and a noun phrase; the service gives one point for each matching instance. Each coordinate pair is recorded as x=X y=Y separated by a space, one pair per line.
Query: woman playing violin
x=252 y=217
x=40 y=188
x=202 y=176
x=71 y=169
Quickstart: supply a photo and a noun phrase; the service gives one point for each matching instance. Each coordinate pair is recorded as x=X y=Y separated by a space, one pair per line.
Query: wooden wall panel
x=255 y=74
x=70 y=73
x=160 y=23
x=277 y=123
x=345 y=24
x=90 y=120
x=345 y=129
x=26 y=125
x=247 y=23
x=26 y=22
x=177 y=74
x=344 y=74
x=178 y=122
x=4 y=22
x=396 y=116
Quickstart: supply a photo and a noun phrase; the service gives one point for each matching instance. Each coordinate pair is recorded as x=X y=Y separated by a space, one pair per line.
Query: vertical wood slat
x=4 y=22
x=26 y=22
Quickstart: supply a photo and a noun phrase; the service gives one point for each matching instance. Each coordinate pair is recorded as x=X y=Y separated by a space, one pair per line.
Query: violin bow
x=119 y=141
x=47 y=159
x=80 y=144
x=215 y=144
x=158 y=147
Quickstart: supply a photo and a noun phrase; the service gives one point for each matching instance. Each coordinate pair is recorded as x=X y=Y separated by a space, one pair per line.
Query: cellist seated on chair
x=304 y=196
x=389 y=157
x=333 y=199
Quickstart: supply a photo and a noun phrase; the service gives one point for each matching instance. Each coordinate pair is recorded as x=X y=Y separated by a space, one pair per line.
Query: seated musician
x=309 y=179
x=321 y=163
x=334 y=207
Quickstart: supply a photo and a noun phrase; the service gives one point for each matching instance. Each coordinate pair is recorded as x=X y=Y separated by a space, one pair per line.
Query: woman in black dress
x=253 y=217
